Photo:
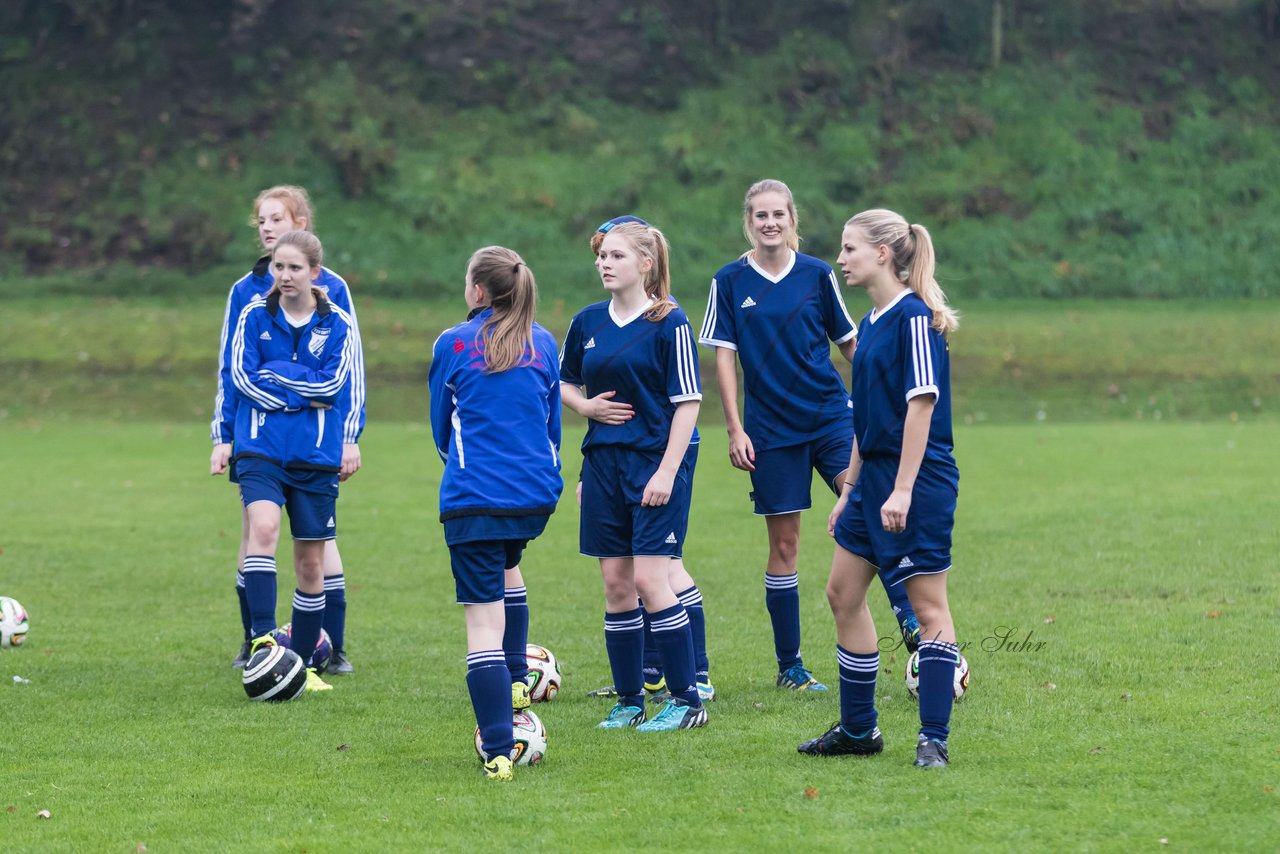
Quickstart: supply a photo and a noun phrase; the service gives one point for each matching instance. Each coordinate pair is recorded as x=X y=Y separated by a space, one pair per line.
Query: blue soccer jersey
x=780 y=326
x=900 y=356
x=652 y=366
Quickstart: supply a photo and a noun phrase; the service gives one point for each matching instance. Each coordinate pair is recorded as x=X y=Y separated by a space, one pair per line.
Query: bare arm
x=658 y=490
x=915 y=435
x=599 y=408
x=846 y=486
x=742 y=454
x=847 y=348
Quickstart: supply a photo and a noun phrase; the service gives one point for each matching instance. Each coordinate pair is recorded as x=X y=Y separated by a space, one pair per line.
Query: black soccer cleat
x=931 y=754
x=837 y=742
x=242 y=657
x=339 y=664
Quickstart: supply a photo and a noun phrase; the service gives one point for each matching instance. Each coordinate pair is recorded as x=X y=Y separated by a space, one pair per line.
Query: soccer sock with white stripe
x=489 y=683
x=691 y=599
x=335 y=609
x=674 y=640
x=515 y=638
x=245 y=619
x=652 y=661
x=937 y=687
x=782 y=598
x=308 y=619
x=260 y=593
x=857 y=690
x=624 y=642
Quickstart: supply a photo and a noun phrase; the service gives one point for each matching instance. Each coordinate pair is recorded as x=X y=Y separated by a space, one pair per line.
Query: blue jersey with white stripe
x=255 y=284
x=900 y=356
x=498 y=433
x=277 y=370
x=652 y=365
x=780 y=326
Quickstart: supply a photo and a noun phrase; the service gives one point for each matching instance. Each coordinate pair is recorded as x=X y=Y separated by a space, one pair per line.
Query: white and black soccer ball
x=13 y=622
x=544 y=674
x=530 y=736
x=323 y=651
x=960 y=685
x=275 y=675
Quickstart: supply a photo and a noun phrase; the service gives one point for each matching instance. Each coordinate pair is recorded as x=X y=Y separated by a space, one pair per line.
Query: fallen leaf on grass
x=1049 y=686
x=757 y=705
x=10 y=808
x=1267 y=789
x=1050 y=619
x=1213 y=615
x=811 y=793
x=1163 y=840
x=18 y=680
x=140 y=847
x=1096 y=750
x=43 y=814
x=344 y=747
x=1125 y=696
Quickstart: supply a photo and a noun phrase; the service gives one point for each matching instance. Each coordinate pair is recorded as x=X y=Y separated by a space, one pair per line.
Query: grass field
x=1128 y=564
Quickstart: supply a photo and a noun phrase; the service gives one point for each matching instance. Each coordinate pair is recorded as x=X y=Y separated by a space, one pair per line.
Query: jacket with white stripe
x=275 y=382
x=255 y=284
x=497 y=433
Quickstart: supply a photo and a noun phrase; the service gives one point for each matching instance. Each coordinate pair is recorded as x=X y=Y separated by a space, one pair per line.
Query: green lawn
x=1138 y=557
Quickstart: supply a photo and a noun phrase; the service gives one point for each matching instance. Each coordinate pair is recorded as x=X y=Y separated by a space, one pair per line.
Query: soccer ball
x=531 y=739
x=13 y=622
x=323 y=651
x=544 y=674
x=913 y=676
x=275 y=674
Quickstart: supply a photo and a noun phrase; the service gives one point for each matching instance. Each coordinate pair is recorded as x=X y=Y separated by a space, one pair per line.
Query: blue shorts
x=924 y=546
x=309 y=497
x=613 y=523
x=482 y=548
x=781 y=481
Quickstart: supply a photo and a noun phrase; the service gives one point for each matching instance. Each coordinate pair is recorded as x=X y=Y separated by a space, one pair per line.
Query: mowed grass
x=1129 y=567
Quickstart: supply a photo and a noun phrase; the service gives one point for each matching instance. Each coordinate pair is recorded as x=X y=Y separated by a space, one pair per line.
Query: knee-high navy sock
x=652 y=661
x=857 y=690
x=782 y=598
x=937 y=687
x=260 y=593
x=515 y=638
x=624 y=642
x=691 y=599
x=489 y=683
x=335 y=610
x=674 y=641
x=898 y=600
x=308 y=619
x=246 y=619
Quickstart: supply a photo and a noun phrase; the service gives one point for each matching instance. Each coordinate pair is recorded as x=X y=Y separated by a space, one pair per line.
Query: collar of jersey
x=786 y=271
x=621 y=322
x=876 y=315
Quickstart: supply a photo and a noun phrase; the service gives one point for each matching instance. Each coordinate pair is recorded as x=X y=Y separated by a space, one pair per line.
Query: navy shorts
x=781 y=481
x=308 y=497
x=924 y=546
x=482 y=548
x=613 y=523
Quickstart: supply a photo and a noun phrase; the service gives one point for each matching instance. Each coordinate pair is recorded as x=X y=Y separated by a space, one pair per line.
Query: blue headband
x=619 y=220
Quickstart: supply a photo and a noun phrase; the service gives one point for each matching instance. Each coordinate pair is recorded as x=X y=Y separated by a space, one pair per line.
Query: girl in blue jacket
x=495 y=416
x=292 y=355
x=278 y=210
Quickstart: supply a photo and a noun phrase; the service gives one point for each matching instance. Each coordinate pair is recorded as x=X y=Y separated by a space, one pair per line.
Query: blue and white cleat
x=676 y=715
x=621 y=717
x=796 y=678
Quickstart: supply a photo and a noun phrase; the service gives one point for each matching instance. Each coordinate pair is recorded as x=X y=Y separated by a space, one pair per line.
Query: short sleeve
x=920 y=365
x=683 y=381
x=717 y=327
x=571 y=354
x=835 y=316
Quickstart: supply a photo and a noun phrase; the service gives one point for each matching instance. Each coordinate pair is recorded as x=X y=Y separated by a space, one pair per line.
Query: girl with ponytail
x=495 y=417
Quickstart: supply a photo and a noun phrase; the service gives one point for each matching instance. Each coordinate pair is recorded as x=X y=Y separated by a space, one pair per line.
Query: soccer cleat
x=837 y=742
x=706 y=691
x=266 y=641
x=315 y=683
x=656 y=687
x=498 y=768
x=606 y=691
x=911 y=634
x=621 y=717
x=520 y=696
x=931 y=754
x=675 y=715
x=339 y=664
x=242 y=657
x=796 y=678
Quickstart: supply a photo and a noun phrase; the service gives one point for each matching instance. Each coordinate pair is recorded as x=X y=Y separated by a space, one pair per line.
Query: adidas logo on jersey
x=747 y=303
x=330 y=525
x=265 y=336
x=671 y=538
x=905 y=563
x=591 y=342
